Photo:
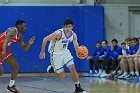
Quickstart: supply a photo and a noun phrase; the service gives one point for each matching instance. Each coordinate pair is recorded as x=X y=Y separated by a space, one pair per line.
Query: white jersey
x=124 y=52
x=61 y=45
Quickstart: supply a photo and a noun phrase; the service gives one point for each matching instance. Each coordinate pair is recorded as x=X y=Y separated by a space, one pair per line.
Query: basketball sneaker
x=12 y=89
x=78 y=89
x=50 y=69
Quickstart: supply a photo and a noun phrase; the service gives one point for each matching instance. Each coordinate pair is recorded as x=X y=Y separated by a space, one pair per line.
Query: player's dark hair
x=135 y=39
x=98 y=42
x=19 y=22
x=123 y=43
x=105 y=41
x=68 y=21
x=114 y=40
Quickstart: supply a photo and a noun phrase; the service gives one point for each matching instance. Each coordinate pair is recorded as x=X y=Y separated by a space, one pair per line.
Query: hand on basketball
x=31 y=40
x=42 y=55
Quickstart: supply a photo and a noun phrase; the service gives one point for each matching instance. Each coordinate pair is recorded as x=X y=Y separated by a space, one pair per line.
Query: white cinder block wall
x=116 y=22
x=117 y=18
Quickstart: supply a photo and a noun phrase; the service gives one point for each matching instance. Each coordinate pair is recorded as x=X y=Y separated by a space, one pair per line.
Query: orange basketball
x=82 y=52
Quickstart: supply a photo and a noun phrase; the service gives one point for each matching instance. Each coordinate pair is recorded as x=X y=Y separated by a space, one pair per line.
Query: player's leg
x=68 y=61
x=75 y=77
x=131 y=68
x=139 y=65
x=98 y=67
x=1 y=66
x=91 y=65
x=12 y=63
x=1 y=69
x=136 y=62
x=124 y=63
x=57 y=64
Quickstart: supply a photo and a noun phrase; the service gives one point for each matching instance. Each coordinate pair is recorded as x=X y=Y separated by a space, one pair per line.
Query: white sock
x=137 y=73
x=100 y=71
x=77 y=82
x=11 y=83
x=90 y=71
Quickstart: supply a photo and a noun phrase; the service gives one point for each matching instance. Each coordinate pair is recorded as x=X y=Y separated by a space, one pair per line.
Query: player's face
x=104 y=44
x=134 y=42
x=123 y=47
x=68 y=27
x=22 y=27
x=114 y=44
x=98 y=45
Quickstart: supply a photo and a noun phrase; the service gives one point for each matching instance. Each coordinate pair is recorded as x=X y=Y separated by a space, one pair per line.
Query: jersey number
x=64 y=45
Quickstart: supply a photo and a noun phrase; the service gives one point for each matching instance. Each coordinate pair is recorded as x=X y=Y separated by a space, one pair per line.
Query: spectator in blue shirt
x=124 y=67
x=105 y=58
x=115 y=52
x=95 y=57
x=134 y=62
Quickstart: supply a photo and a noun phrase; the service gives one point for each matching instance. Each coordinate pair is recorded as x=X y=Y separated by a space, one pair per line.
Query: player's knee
x=71 y=67
x=136 y=59
x=61 y=75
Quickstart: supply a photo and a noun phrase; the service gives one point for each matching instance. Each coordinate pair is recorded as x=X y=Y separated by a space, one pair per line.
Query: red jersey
x=13 y=39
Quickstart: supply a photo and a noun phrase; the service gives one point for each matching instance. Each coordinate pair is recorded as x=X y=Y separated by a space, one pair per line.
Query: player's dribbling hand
x=31 y=40
x=42 y=55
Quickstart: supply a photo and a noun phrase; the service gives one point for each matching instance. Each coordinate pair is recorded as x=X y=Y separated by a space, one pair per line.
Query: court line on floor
x=41 y=88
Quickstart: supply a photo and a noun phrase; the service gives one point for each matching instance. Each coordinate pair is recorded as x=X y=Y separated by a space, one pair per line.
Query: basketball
x=82 y=52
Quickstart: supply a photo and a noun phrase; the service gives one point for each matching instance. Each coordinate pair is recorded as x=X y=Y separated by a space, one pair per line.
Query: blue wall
x=41 y=21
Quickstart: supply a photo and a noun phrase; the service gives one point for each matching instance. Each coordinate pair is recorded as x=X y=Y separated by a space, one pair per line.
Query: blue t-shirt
x=116 y=52
x=134 y=49
x=106 y=52
x=97 y=53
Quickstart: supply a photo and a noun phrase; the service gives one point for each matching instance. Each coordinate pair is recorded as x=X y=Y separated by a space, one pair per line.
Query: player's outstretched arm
x=75 y=42
x=27 y=46
x=53 y=36
x=9 y=34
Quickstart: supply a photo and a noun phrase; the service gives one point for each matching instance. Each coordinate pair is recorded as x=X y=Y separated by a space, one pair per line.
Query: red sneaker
x=12 y=89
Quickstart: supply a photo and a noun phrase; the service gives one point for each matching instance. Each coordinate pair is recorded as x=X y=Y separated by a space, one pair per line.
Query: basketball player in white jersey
x=59 y=53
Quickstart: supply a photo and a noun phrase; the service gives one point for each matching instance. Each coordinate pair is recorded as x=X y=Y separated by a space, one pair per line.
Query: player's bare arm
x=27 y=46
x=9 y=34
x=75 y=42
x=53 y=36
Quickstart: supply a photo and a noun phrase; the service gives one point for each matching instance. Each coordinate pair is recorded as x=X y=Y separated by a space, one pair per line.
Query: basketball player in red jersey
x=11 y=35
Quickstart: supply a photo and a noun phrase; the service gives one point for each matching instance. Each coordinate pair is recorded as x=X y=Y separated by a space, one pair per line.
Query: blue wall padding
x=43 y=20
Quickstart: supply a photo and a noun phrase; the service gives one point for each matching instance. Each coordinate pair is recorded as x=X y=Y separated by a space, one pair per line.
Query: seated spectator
x=115 y=52
x=95 y=58
x=105 y=59
x=133 y=61
x=124 y=61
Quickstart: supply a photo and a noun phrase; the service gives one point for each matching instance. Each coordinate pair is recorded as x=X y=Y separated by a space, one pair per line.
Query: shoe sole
x=81 y=92
x=7 y=90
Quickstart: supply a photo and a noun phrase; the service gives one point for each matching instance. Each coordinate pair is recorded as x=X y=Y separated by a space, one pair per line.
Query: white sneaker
x=123 y=75
x=137 y=74
x=99 y=73
x=90 y=72
x=103 y=74
x=50 y=69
